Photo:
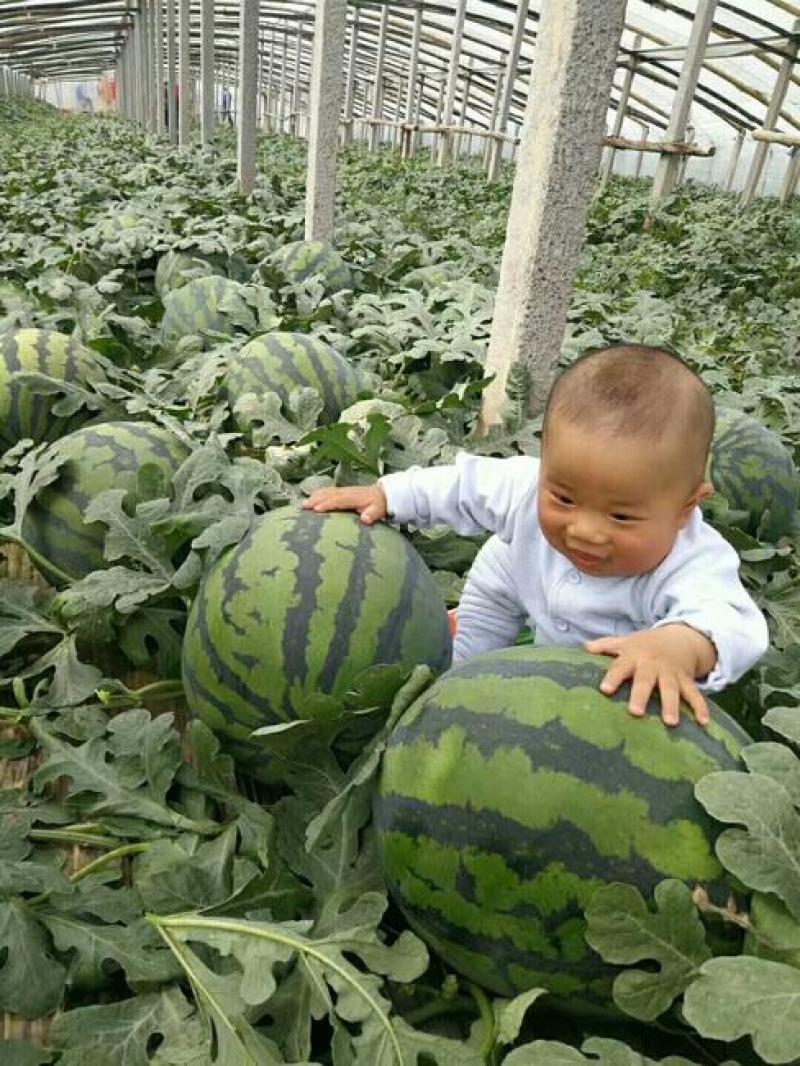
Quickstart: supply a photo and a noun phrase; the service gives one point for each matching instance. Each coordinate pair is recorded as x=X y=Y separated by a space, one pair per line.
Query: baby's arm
x=473 y=495
x=489 y=613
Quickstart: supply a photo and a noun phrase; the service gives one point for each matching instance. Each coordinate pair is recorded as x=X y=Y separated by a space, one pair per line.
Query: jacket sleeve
x=489 y=614
x=702 y=589
x=473 y=495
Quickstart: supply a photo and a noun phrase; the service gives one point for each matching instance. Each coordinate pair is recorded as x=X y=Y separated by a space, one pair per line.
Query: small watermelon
x=755 y=473
x=295 y=613
x=205 y=305
x=107 y=456
x=176 y=269
x=300 y=259
x=281 y=362
x=512 y=789
x=24 y=413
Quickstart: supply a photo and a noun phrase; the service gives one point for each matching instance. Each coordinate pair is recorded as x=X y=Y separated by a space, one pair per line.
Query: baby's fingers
x=615 y=675
x=696 y=701
x=645 y=679
x=670 y=693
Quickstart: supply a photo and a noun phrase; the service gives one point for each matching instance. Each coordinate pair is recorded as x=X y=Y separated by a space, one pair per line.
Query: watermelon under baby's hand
x=512 y=790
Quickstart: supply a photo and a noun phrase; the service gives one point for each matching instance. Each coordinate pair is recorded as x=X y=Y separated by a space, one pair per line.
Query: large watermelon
x=107 y=456
x=300 y=259
x=296 y=612
x=755 y=473
x=24 y=413
x=281 y=362
x=176 y=269
x=205 y=305
x=512 y=789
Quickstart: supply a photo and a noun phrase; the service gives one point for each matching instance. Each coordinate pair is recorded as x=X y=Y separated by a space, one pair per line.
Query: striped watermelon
x=205 y=305
x=292 y=616
x=27 y=414
x=176 y=269
x=300 y=259
x=281 y=362
x=107 y=456
x=755 y=473
x=512 y=789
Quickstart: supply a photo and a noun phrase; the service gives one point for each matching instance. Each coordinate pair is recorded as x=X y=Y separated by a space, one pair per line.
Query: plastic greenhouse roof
x=81 y=38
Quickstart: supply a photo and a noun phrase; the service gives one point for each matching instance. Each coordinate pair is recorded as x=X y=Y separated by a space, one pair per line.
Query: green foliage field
x=223 y=922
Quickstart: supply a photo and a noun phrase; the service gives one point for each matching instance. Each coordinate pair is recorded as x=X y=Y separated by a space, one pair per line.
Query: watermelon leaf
x=31 y=979
x=16 y=1053
x=509 y=1015
x=745 y=996
x=597 y=1051
x=622 y=928
x=784 y=720
x=118 y=1034
x=765 y=855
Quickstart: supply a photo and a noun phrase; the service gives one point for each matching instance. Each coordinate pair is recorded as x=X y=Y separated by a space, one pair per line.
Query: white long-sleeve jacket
x=518 y=577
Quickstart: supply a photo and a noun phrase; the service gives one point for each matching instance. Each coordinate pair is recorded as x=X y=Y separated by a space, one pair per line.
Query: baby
x=601 y=543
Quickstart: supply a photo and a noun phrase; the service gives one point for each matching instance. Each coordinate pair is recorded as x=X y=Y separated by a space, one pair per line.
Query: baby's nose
x=586 y=530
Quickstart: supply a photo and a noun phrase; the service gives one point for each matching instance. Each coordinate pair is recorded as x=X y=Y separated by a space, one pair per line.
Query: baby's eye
x=623 y=518
x=561 y=498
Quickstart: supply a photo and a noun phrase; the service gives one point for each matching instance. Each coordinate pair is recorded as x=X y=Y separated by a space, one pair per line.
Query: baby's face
x=613 y=506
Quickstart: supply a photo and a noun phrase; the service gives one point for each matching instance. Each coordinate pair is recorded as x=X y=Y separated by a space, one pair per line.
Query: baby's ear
x=704 y=491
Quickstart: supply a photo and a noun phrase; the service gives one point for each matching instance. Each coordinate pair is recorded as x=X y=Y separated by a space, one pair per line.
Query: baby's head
x=625 y=443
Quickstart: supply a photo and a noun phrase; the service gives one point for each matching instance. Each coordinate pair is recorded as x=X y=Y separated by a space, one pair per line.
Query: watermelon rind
x=298 y=610
x=25 y=413
x=97 y=458
x=302 y=259
x=282 y=362
x=512 y=790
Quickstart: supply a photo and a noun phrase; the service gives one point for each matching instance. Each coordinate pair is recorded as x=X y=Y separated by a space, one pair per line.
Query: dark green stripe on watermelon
x=302 y=259
x=297 y=611
x=512 y=789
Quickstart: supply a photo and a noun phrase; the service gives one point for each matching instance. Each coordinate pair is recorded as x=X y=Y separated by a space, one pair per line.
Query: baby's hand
x=368 y=501
x=667 y=659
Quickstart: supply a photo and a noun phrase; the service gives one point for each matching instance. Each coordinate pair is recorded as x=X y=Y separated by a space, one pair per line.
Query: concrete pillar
x=350 y=83
x=172 y=100
x=184 y=73
x=284 y=80
x=564 y=123
x=246 y=117
x=446 y=139
x=413 y=67
x=607 y=168
x=730 y=177
x=685 y=158
x=496 y=98
x=640 y=155
x=496 y=156
x=380 y=59
x=207 y=70
x=138 y=82
x=771 y=119
x=270 y=75
x=161 y=118
x=668 y=167
x=327 y=64
x=298 y=56
x=790 y=178
x=155 y=64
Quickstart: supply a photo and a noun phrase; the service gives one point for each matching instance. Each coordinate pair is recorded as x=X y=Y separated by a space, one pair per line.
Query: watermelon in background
x=300 y=259
x=512 y=789
x=24 y=413
x=295 y=613
x=107 y=456
x=281 y=362
x=205 y=305
x=752 y=469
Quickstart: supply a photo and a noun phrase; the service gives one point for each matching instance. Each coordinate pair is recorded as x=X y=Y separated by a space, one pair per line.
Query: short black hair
x=637 y=391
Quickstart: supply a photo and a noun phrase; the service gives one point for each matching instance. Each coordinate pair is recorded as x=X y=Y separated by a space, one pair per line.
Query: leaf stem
x=228 y=925
x=106 y=860
x=72 y=835
x=438 y=1007
x=487 y=1017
